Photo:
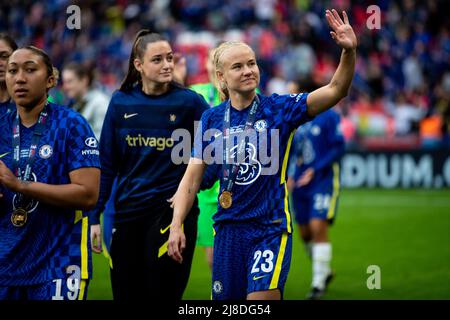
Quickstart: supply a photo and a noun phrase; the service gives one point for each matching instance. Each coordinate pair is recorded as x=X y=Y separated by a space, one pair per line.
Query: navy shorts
x=249 y=257
x=320 y=204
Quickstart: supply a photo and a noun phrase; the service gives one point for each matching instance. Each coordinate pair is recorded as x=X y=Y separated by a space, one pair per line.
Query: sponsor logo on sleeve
x=91 y=142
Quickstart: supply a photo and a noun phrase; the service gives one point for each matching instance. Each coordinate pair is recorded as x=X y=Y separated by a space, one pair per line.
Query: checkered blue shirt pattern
x=51 y=240
x=265 y=197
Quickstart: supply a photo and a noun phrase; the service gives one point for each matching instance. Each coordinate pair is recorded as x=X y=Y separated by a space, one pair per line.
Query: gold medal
x=225 y=199
x=19 y=217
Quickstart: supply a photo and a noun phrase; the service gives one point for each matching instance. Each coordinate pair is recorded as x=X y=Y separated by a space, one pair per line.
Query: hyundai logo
x=91 y=142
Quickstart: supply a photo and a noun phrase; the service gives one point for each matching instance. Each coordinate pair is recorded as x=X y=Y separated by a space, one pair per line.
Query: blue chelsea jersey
x=317 y=144
x=6 y=107
x=259 y=192
x=54 y=241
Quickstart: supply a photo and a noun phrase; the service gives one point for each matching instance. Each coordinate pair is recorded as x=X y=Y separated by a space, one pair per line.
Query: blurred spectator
x=84 y=98
x=406 y=115
x=265 y=10
x=299 y=61
x=409 y=54
x=348 y=127
x=277 y=84
x=442 y=105
x=412 y=72
x=431 y=131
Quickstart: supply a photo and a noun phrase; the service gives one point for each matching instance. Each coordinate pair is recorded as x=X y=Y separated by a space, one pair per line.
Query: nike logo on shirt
x=127 y=116
x=260 y=277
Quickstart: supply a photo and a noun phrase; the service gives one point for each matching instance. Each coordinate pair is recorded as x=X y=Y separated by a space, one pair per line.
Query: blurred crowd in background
x=400 y=98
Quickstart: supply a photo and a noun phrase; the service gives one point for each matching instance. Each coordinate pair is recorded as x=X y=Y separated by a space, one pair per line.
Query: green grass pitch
x=404 y=232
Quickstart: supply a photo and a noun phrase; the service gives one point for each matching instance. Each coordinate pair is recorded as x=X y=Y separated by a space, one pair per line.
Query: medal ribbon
x=230 y=174
x=37 y=134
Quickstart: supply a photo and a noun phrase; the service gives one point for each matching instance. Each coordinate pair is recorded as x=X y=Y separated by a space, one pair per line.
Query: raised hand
x=342 y=32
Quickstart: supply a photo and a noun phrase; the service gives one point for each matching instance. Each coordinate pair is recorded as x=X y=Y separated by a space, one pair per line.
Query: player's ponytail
x=143 y=37
x=55 y=74
x=221 y=87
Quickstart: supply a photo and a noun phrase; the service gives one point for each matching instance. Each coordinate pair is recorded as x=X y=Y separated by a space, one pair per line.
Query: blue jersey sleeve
x=82 y=145
x=336 y=143
x=199 y=143
x=108 y=160
x=294 y=109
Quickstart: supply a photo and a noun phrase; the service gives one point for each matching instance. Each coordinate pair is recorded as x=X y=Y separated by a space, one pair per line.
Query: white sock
x=321 y=255
x=308 y=248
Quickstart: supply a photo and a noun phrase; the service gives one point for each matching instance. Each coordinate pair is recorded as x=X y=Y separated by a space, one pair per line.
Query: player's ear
x=138 y=64
x=51 y=82
x=219 y=76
